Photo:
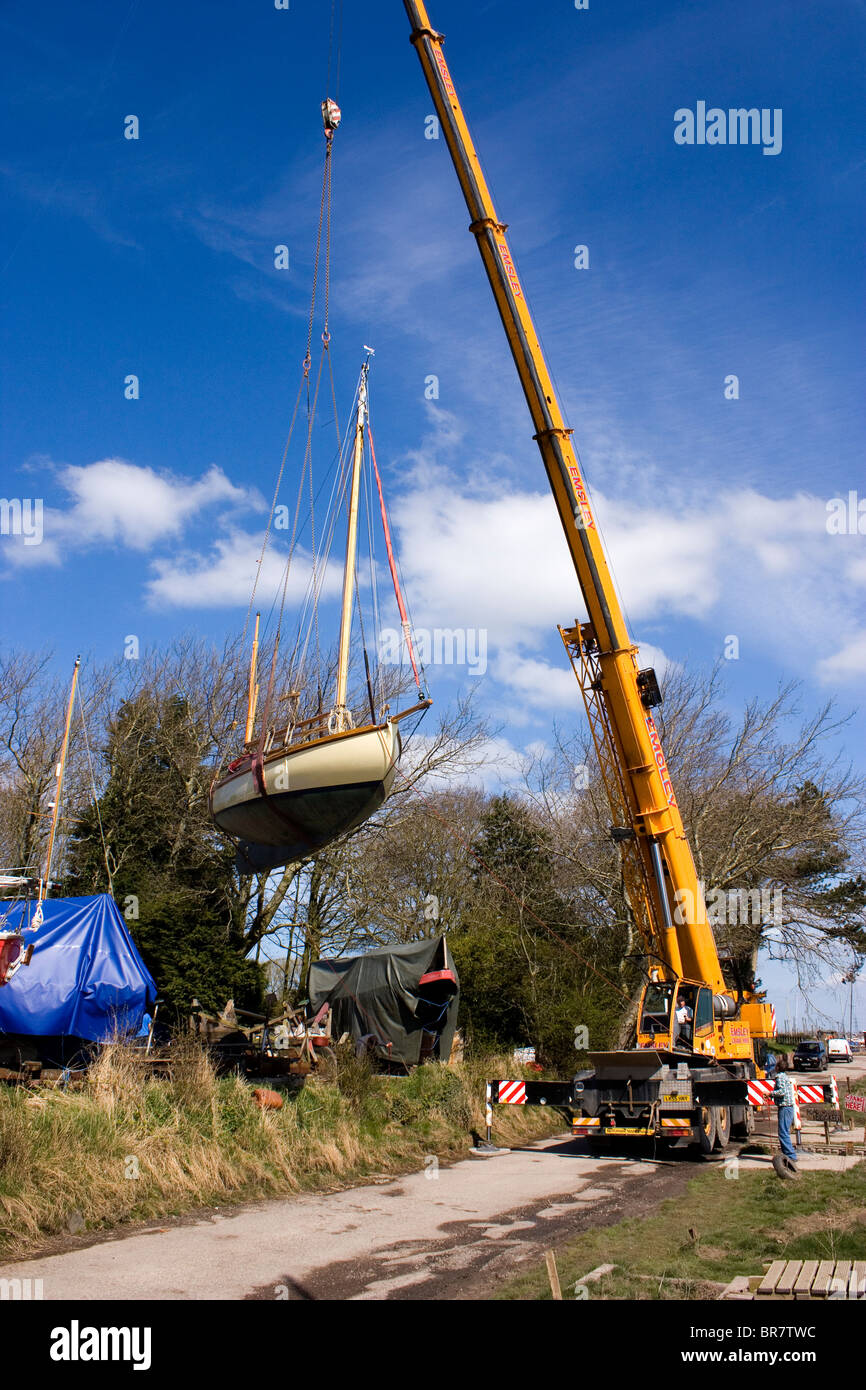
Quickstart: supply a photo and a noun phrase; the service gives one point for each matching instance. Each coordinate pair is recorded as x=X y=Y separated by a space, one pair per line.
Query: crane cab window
x=704 y=1013
x=657 y=1002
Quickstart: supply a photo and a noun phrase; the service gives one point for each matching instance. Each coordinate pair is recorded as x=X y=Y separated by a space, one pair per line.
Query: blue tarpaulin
x=86 y=978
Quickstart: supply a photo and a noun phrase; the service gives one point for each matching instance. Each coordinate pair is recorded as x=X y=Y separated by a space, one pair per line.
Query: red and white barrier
x=760 y=1092
x=511 y=1093
x=810 y=1095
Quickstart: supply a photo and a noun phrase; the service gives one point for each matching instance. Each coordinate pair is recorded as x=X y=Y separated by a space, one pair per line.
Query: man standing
x=683 y=1016
x=783 y=1097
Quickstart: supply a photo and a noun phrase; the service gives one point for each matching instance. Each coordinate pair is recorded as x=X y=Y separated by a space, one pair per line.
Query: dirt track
x=456 y=1235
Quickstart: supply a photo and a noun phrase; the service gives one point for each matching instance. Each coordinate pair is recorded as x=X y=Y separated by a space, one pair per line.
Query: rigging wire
x=272 y=676
x=331 y=119
x=374 y=578
x=271 y=513
x=404 y=617
x=313 y=592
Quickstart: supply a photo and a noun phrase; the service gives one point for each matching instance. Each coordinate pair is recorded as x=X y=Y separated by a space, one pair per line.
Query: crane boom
x=665 y=894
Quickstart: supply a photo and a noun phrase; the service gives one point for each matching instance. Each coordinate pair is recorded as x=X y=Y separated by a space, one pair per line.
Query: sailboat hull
x=313 y=793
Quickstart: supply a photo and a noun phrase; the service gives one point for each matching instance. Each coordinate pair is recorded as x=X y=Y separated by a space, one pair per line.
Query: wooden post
x=553 y=1275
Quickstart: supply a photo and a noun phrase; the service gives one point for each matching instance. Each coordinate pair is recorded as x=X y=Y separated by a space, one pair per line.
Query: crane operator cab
x=676 y=1015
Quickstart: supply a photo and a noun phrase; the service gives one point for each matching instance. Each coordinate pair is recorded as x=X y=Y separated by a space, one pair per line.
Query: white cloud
x=540 y=685
x=760 y=567
x=224 y=578
x=113 y=502
x=846 y=664
x=500 y=562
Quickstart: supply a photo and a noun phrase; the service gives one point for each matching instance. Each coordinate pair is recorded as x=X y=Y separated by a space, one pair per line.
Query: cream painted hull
x=315 y=792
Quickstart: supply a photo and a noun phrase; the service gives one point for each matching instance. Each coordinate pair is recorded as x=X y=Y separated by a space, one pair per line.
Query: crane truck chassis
x=658 y=1096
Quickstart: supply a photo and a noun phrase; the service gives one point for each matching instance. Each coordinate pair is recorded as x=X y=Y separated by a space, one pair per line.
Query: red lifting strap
x=386 y=528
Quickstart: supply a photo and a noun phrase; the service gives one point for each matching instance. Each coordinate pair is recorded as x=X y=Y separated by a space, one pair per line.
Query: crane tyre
x=785 y=1168
x=723 y=1126
x=707 y=1127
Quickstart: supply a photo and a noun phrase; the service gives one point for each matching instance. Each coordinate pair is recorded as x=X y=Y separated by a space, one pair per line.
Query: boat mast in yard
x=45 y=882
x=13 y=952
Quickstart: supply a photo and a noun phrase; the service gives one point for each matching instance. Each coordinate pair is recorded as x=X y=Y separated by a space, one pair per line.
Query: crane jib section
x=685 y=946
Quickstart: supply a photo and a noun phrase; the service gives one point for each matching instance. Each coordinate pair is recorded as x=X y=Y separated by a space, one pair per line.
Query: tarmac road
x=855 y=1069
x=455 y=1235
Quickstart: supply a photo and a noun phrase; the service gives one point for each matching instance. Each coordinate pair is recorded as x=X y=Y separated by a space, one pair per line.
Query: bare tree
x=774 y=813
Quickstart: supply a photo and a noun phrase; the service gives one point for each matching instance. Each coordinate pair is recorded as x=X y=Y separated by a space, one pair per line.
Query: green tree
x=532 y=969
x=170 y=873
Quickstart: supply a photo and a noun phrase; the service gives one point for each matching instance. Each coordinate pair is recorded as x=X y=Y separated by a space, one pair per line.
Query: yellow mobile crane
x=686 y=1081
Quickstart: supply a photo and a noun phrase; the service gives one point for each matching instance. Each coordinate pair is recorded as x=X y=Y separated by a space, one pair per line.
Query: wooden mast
x=342 y=718
x=45 y=882
x=253 y=689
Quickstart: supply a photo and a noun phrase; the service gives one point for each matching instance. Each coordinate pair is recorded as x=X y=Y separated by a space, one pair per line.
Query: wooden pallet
x=802 y=1279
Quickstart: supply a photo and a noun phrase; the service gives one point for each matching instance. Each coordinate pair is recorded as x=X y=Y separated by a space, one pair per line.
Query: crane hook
x=331 y=117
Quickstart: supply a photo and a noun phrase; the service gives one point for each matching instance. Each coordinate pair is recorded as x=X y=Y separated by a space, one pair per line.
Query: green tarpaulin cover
x=403 y=999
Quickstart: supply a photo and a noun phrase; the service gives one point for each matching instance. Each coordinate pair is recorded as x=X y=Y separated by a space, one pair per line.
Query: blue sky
x=156 y=257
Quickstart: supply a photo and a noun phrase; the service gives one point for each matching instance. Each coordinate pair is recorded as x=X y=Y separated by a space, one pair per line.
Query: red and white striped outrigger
x=511 y=1093
x=808 y=1093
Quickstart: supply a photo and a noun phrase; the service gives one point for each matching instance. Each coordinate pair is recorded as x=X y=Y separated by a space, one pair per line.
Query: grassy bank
x=130 y=1148
x=720 y=1228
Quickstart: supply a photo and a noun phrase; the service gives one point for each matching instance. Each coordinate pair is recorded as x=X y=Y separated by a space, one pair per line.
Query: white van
x=838 y=1050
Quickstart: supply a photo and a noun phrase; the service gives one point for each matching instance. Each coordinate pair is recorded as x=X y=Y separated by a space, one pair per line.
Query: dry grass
x=131 y=1147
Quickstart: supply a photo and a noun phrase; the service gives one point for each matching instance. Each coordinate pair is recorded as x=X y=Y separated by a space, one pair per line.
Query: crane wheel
x=723 y=1126
x=707 y=1126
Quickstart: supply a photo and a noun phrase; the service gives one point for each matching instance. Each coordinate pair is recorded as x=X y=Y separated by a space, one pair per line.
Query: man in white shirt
x=683 y=1016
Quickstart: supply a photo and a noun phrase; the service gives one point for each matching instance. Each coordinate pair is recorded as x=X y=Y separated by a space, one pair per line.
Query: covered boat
x=86 y=982
x=399 y=1002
